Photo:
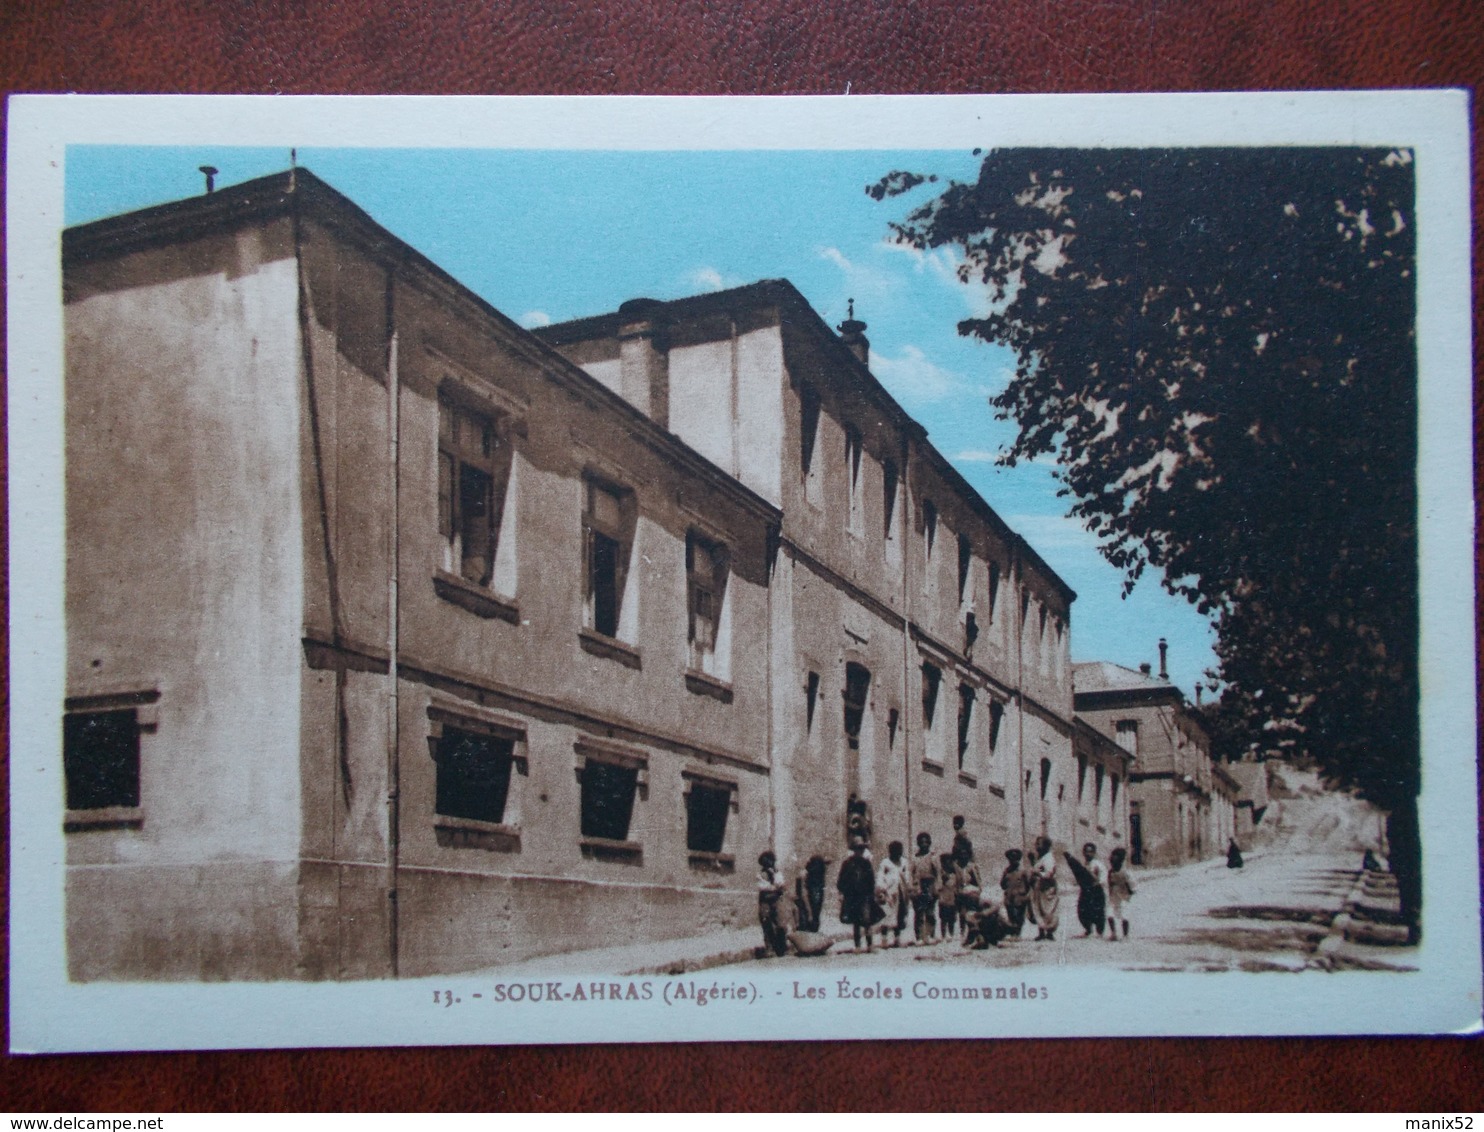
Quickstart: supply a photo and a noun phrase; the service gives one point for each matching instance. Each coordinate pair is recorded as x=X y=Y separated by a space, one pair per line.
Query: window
x=929 y=526
x=608 y=532
x=965 y=558
x=1097 y=793
x=473 y=779
x=706 y=581
x=971 y=630
x=808 y=441
x=965 y=719
x=608 y=790
x=1081 y=775
x=1127 y=731
x=932 y=677
x=473 y=473
x=1045 y=777
x=889 y=478
x=707 y=805
x=811 y=694
x=994 y=587
x=100 y=759
x=853 y=472
x=996 y=717
x=857 y=682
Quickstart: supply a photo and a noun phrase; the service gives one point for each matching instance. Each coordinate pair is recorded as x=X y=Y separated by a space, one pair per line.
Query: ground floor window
x=608 y=800
x=100 y=759
x=474 y=775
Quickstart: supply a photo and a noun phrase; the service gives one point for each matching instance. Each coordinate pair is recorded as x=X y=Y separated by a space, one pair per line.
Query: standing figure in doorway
x=1045 y=893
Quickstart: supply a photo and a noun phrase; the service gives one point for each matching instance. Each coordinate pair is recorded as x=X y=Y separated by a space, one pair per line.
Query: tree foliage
x=1218 y=345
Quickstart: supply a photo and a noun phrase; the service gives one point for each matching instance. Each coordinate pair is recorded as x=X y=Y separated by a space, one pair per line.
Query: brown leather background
x=769 y=47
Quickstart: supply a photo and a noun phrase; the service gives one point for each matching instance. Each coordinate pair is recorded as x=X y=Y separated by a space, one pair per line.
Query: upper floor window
x=965 y=722
x=889 y=478
x=932 y=679
x=996 y=718
x=965 y=560
x=929 y=527
x=808 y=442
x=608 y=533
x=1127 y=731
x=994 y=587
x=857 y=683
x=473 y=473
x=853 y=476
x=706 y=582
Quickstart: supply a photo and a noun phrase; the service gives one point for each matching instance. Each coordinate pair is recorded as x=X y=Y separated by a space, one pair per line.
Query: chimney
x=1164 y=649
x=853 y=334
x=1144 y=668
x=211 y=171
x=644 y=364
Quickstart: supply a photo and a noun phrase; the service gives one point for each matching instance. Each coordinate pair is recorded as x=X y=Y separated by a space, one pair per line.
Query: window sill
x=610 y=648
x=104 y=817
x=1102 y=829
x=932 y=767
x=997 y=791
x=471 y=833
x=606 y=849
x=476 y=599
x=704 y=685
x=968 y=779
x=703 y=861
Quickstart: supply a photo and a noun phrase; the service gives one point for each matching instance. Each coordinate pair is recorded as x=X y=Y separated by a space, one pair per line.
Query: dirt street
x=1269 y=915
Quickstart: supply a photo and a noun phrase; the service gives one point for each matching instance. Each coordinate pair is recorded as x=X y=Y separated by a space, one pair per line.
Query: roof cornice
x=279 y=194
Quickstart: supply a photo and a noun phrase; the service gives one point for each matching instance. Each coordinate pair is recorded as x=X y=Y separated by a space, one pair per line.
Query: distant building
x=1251 y=776
x=1181 y=802
x=536 y=655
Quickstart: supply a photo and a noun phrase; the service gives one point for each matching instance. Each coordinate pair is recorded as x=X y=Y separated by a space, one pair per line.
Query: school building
x=1181 y=802
x=403 y=640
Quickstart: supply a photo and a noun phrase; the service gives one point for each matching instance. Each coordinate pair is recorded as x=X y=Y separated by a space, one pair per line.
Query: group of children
x=947 y=895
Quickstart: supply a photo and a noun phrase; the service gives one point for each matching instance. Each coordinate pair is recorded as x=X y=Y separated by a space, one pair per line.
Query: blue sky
x=552 y=235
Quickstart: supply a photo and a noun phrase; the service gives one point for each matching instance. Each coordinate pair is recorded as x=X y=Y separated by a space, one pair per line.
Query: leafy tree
x=1218 y=345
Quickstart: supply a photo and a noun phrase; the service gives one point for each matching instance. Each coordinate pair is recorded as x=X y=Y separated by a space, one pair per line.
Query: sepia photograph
x=520 y=570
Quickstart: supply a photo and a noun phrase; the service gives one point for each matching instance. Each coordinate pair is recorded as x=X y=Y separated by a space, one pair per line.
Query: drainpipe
x=1020 y=610
x=903 y=522
x=393 y=605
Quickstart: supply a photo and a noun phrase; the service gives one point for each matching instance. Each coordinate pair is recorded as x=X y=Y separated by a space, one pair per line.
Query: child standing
x=1120 y=889
x=925 y=876
x=947 y=897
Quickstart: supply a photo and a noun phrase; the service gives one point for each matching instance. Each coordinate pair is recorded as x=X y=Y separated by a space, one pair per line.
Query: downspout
x=394 y=609
x=1020 y=611
x=902 y=519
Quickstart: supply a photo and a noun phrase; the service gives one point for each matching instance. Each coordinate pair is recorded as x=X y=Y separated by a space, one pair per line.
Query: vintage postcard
x=549 y=570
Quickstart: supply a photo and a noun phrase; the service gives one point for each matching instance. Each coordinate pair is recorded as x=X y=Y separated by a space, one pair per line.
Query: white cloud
x=709 y=278
x=976 y=456
x=865 y=283
x=532 y=319
x=912 y=376
x=1053 y=532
